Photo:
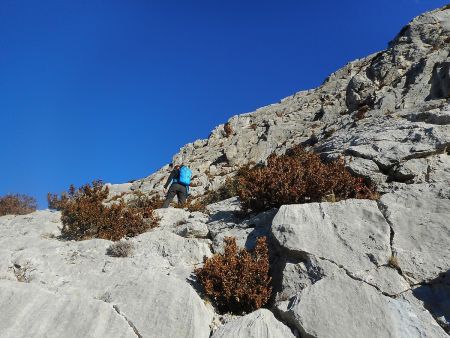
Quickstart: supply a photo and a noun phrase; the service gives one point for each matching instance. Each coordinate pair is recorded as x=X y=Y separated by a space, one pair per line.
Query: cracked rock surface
x=339 y=306
x=258 y=324
x=29 y=310
x=76 y=287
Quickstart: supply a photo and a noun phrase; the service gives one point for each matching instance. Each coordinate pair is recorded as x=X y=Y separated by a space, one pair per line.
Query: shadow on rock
x=436 y=298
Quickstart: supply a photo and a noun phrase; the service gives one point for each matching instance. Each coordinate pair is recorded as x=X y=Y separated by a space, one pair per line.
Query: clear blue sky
x=112 y=89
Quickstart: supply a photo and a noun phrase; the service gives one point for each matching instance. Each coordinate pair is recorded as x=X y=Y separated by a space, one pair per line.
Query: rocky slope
x=387 y=114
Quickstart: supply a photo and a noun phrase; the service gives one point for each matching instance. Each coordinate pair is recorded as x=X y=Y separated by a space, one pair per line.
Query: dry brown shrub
x=145 y=203
x=196 y=205
x=227 y=190
x=17 y=204
x=238 y=280
x=298 y=177
x=393 y=262
x=84 y=215
x=120 y=249
x=227 y=129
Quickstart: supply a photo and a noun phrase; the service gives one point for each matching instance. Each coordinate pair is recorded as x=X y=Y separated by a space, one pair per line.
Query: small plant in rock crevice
x=393 y=262
x=120 y=249
x=238 y=280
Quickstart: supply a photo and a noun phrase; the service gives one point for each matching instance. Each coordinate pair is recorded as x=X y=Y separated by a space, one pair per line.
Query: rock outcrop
x=387 y=114
x=352 y=268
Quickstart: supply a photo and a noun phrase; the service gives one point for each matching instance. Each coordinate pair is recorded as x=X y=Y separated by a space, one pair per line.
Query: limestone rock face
x=341 y=252
x=258 y=324
x=420 y=219
x=108 y=296
x=388 y=109
x=342 y=307
x=30 y=310
x=353 y=234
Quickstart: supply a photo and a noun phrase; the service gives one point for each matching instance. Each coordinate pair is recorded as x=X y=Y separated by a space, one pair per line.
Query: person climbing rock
x=179 y=181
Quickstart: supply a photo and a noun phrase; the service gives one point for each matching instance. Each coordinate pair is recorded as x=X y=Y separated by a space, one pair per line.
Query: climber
x=179 y=181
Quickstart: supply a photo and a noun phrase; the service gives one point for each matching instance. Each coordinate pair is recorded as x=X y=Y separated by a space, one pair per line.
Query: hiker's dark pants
x=176 y=189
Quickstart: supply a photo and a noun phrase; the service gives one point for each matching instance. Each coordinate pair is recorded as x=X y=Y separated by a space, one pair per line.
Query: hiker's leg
x=170 y=195
x=182 y=195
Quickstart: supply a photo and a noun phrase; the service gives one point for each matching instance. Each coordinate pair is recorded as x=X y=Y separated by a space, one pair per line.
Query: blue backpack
x=185 y=176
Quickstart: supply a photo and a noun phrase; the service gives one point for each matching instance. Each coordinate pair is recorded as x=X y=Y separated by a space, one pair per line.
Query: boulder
x=352 y=234
x=162 y=306
x=30 y=310
x=435 y=297
x=258 y=324
x=193 y=230
x=419 y=215
x=340 y=306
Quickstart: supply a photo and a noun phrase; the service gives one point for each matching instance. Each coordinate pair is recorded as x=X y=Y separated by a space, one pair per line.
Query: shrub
x=229 y=189
x=238 y=280
x=227 y=129
x=393 y=262
x=145 y=203
x=17 y=204
x=84 y=215
x=193 y=205
x=120 y=249
x=329 y=132
x=298 y=177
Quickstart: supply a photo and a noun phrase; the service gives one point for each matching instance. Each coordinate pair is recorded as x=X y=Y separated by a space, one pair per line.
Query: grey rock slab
x=435 y=116
x=439 y=169
x=118 y=189
x=431 y=305
x=170 y=218
x=139 y=287
x=435 y=297
x=419 y=215
x=259 y=324
x=28 y=310
x=365 y=168
x=339 y=306
x=162 y=306
x=246 y=232
x=351 y=233
x=176 y=249
x=385 y=279
x=239 y=233
x=17 y=232
x=193 y=230
x=224 y=210
x=298 y=275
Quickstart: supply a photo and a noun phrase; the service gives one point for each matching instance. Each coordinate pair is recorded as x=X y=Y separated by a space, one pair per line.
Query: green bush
x=85 y=215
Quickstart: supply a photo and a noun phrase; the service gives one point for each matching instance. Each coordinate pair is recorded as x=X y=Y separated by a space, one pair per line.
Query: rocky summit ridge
x=387 y=114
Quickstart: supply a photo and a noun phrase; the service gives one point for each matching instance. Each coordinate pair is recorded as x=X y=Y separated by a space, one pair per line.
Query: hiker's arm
x=169 y=180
